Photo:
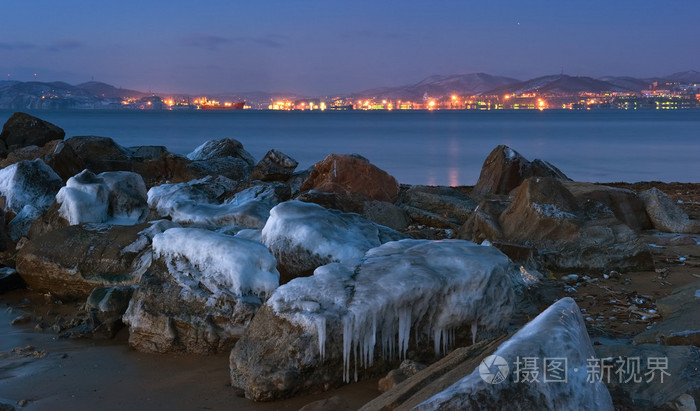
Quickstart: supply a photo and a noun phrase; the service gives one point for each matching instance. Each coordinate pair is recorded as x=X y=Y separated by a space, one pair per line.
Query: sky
x=331 y=47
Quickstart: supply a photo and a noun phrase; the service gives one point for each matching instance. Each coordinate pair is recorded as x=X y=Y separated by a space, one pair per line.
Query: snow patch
x=431 y=287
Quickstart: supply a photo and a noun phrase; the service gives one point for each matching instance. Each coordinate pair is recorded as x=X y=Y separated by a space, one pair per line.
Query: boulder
x=386 y=214
x=200 y=293
x=506 y=380
x=10 y=280
x=352 y=174
x=406 y=370
x=105 y=307
x=100 y=154
x=117 y=197
x=347 y=203
x=100 y=255
x=483 y=223
x=199 y=202
x=650 y=376
x=304 y=236
x=504 y=169
x=275 y=166
x=236 y=169
x=442 y=207
x=624 y=204
x=22 y=130
x=545 y=215
x=666 y=215
x=217 y=149
x=344 y=321
x=28 y=189
x=56 y=154
x=680 y=323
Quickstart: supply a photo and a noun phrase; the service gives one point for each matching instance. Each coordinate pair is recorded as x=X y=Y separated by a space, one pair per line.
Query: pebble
x=22 y=403
x=56 y=328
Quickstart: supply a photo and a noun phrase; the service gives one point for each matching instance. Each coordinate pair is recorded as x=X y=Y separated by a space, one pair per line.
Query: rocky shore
x=526 y=291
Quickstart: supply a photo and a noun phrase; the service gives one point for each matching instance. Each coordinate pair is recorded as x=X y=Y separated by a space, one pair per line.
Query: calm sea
x=441 y=147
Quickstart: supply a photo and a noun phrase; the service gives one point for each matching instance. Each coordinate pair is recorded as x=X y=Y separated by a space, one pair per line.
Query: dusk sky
x=327 y=47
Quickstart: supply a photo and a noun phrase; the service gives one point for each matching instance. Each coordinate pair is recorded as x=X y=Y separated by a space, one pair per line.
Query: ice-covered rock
x=200 y=293
x=346 y=322
x=29 y=188
x=225 y=147
x=199 y=202
x=56 y=154
x=117 y=197
x=304 y=236
x=71 y=261
x=514 y=377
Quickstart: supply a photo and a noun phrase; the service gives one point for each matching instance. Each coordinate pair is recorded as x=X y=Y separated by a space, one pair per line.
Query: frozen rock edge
x=348 y=320
x=559 y=332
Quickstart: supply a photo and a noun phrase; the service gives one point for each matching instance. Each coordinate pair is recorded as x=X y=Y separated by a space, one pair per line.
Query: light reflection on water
x=446 y=148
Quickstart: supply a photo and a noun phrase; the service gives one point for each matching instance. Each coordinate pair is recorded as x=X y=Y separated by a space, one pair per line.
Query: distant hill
x=99 y=89
x=629 y=83
x=691 y=76
x=440 y=86
x=559 y=85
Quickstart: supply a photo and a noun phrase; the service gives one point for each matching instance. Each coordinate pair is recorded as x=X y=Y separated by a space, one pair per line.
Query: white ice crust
x=343 y=237
x=220 y=263
x=117 y=197
x=186 y=204
x=558 y=332
x=28 y=183
x=430 y=287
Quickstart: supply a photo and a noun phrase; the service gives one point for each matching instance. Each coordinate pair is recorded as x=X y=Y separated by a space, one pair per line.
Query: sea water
x=421 y=147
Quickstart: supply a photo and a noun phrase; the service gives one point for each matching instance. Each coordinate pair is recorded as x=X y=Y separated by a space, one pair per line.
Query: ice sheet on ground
x=342 y=237
x=558 y=333
x=219 y=263
x=112 y=197
x=197 y=202
x=428 y=287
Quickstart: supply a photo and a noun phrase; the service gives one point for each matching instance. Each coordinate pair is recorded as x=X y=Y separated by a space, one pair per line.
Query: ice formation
x=29 y=183
x=330 y=234
x=117 y=197
x=197 y=202
x=219 y=263
x=430 y=287
x=557 y=333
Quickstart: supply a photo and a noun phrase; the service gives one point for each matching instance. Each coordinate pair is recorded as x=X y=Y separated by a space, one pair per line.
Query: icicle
x=436 y=340
x=373 y=339
x=355 y=350
x=474 y=333
x=321 y=331
x=445 y=338
x=404 y=331
x=347 y=341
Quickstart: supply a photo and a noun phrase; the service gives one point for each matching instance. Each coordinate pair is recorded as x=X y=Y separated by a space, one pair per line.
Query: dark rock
x=666 y=215
x=141 y=153
x=48 y=221
x=406 y=370
x=335 y=403
x=386 y=214
x=504 y=169
x=348 y=174
x=275 y=166
x=100 y=255
x=680 y=325
x=348 y=203
x=56 y=154
x=436 y=206
x=624 y=204
x=22 y=130
x=10 y=280
x=105 y=306
x=236 y=169
x=217 y=149
x=644 y=388
x=483 y=223
x=100 y=154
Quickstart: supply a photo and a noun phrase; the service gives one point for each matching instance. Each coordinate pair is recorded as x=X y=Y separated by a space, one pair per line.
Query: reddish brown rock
x=504 y=169
x=625 y=204
x=350 y=174
x=56 y=154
